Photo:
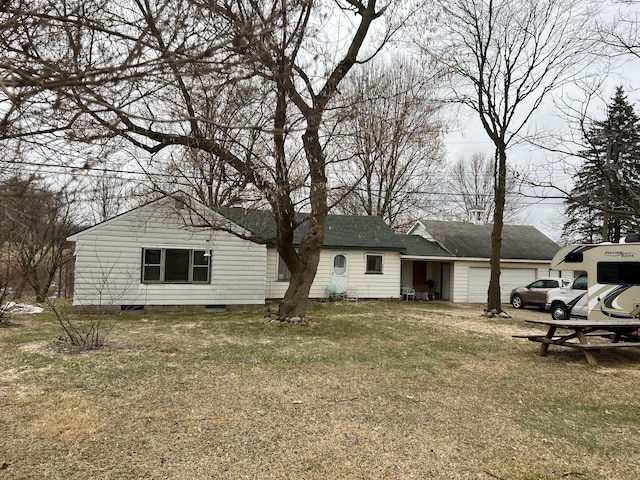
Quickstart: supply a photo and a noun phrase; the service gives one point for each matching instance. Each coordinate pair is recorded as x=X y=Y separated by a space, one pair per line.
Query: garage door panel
x=510 y=278
x=515 y=277
x=478 y=284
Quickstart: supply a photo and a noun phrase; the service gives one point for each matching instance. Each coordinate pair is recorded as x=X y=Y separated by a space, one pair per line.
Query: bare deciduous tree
x=391 y=143
x=621 y=35
x=107 y=194
x=204 y=174
x=146 y=70
x=504 y=58
x=471 y=186
x=38 y=221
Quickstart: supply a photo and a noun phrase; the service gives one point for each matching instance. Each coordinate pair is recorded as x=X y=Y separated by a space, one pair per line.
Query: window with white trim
x=175 y=265
x=373 y=263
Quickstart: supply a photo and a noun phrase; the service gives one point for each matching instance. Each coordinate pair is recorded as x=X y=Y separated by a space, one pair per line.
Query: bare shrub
x=87 y=333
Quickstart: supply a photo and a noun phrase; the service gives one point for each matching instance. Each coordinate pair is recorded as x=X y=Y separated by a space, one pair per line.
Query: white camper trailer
x=613 y=272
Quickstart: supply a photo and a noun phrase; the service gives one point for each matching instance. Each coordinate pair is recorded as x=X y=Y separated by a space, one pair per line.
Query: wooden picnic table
x=608 y=334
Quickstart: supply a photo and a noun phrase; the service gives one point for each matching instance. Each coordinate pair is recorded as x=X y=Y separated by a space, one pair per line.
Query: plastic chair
x=351 y=295
x=408 y=293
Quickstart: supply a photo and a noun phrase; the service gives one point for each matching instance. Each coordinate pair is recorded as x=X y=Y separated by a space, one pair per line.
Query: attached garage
x=525 y=256
x=510 y=278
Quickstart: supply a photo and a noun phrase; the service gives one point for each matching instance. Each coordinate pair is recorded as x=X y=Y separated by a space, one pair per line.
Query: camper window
x=574 y=257
x=615 y=273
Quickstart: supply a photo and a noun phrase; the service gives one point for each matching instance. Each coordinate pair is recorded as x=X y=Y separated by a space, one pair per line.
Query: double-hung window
x=175 y=265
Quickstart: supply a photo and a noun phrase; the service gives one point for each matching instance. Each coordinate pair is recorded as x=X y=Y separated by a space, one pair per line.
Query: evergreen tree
x=602 y=205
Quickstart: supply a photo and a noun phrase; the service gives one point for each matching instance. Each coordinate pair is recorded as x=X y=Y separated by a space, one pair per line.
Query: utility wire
x=97 y=172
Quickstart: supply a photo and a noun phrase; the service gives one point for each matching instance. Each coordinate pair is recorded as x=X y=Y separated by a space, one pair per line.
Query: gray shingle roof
x=341 y=231
x=519 y=242
x=417 y=246
x=360 y=232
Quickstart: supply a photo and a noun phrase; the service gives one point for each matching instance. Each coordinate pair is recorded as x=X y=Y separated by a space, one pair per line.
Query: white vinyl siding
x=478 y=284
x=385 y=285
x=109 y=262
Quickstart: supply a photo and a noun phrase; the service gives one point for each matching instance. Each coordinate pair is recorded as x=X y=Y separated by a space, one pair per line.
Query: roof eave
x=351 y=247
x=514 y=260
x=426 y=257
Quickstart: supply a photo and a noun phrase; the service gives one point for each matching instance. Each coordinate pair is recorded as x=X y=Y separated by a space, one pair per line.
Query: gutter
x=512 y=260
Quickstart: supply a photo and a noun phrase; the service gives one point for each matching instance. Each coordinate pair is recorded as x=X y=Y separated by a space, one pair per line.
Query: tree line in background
x=35 y=256
x=291 y=106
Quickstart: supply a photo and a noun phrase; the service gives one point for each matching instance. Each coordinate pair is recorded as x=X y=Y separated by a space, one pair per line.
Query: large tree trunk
x=493 y=298
x=294 y=303
x=303 y=264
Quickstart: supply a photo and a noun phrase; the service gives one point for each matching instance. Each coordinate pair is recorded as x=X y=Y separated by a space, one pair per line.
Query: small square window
x=152 y=256
x=284 y=275
x=373 y=264
x=200 y=258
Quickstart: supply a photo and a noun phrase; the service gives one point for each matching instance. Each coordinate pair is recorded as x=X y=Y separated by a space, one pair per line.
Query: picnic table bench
x=619 y=332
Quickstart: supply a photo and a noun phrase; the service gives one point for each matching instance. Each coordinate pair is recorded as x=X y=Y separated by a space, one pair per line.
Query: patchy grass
x=368 y=391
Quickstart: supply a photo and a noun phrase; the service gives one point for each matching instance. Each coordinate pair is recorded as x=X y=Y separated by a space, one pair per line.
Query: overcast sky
x=468 y=137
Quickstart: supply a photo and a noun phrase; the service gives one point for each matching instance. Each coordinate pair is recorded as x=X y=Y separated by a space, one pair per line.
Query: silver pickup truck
x=571 y=300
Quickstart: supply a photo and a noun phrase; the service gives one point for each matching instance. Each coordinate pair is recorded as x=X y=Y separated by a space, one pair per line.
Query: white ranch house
x=160 y=256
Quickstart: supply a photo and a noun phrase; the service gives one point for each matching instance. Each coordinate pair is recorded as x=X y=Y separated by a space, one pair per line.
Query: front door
x=420 y=276
x=339 y=272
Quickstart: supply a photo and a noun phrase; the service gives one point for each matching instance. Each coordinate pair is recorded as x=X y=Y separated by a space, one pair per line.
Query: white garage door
x=510 y=278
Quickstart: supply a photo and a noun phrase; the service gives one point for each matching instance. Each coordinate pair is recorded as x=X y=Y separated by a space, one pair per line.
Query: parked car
x=570 y=300
x=535 y=294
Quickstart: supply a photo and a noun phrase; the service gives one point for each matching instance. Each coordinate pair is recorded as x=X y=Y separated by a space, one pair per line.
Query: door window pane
x=339 y=264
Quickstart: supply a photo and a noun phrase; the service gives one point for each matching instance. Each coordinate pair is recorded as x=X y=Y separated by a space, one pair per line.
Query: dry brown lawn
x=379 y=390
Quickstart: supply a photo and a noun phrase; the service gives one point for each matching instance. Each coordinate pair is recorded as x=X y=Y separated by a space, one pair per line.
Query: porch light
x=207 y=248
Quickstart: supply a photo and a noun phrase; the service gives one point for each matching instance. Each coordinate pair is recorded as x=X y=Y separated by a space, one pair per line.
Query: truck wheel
x=559 y=311
x=516 y=301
